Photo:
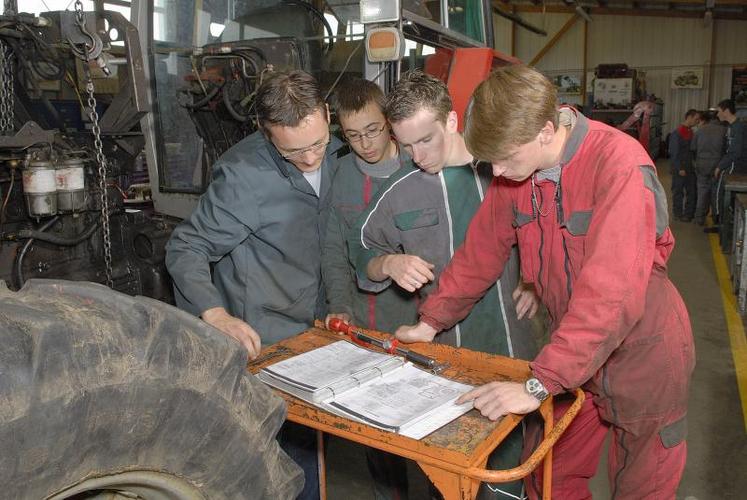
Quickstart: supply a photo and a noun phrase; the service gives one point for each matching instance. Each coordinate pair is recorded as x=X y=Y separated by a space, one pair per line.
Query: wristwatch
x=536 y=389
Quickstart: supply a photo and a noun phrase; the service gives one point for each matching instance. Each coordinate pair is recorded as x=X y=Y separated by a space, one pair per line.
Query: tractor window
x=467 y=17
x=210 y=56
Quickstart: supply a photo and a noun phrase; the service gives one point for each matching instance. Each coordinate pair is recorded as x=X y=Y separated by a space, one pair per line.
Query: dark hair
x=728 y=104
x=690 y=112
x=286 y=98
x=416 y=91
x=353 y=94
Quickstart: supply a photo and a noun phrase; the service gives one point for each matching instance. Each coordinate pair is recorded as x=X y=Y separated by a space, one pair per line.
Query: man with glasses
x=419 y=218
x=259 y=226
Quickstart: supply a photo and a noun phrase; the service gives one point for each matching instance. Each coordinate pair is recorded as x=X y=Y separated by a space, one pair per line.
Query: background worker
x=708 y=148
x=260 y=224
x=413 y=226
x=734 y=160
x=359 y=106
x=683 y=172
x=589 y=214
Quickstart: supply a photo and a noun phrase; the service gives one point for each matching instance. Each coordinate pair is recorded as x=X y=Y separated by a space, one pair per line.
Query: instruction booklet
x=378 y=389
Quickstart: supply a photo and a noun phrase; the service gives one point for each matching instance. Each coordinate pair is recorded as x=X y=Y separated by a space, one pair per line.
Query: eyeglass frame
x=359 y=137
x=313 y=148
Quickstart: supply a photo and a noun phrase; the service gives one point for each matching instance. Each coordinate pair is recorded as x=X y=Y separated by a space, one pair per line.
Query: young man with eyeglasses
x=585 y=205
x=259 y=226
x=413 y=227
x=359 y=106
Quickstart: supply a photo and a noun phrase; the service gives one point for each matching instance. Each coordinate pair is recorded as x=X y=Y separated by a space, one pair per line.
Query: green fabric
x=485 y=327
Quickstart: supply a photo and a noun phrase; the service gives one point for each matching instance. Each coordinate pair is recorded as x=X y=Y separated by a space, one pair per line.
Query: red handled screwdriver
x=389 y=345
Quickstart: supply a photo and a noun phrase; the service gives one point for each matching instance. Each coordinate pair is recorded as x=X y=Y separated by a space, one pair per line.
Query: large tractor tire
x=103 y=395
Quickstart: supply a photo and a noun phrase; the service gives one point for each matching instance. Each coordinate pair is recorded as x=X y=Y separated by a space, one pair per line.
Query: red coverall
x=596 y=247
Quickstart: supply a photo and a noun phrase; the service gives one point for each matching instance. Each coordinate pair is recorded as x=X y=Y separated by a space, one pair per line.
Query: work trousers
x=683 y=195
x=644 y=463
x=300 y=444
x=705 y=184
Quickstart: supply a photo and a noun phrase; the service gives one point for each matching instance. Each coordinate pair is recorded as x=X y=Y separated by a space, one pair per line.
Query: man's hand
x=422 y=332
x=500 y=398
x=234 y=327
x=408 y=271
x=526 y=300
x=682 y=173
x=343 y=316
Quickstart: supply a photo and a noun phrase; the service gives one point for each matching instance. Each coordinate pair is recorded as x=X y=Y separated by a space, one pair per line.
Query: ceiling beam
x=551 y=43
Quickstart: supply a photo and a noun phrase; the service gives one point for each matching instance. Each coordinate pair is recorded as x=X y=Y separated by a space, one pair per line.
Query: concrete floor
x=717 y=443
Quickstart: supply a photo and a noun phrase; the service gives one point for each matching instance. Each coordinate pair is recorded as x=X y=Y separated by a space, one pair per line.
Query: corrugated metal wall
x=654 y=45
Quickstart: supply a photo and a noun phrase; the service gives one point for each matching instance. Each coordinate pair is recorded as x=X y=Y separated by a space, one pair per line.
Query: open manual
x=377 y=389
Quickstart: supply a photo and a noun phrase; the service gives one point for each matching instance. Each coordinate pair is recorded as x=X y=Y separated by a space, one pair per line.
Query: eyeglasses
x=371 y=134
x=314 y=148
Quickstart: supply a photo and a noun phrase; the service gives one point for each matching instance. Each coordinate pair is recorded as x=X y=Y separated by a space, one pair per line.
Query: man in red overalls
x=585 y=205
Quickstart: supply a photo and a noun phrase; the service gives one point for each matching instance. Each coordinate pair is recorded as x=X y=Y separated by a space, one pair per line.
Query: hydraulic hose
x=22 y=254
x=58 y=240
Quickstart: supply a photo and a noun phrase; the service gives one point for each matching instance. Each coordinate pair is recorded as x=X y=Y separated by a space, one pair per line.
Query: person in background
x=585 y=205
x=419 y=219
x=707 y=147
x=248 y=259
x=734 y=160
x=683 y=174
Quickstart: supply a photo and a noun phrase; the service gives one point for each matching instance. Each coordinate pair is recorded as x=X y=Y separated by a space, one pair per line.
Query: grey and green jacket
x=259 y=228
x=352 y=190
x=427 y=215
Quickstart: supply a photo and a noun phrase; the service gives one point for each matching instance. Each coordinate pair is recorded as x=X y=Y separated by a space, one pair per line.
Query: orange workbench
x=454 y=457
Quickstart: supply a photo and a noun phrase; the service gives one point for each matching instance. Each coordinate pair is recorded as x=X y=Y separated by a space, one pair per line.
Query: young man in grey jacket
x=708 y=148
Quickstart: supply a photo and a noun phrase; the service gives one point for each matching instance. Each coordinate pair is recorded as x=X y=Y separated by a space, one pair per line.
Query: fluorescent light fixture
x=380 y=11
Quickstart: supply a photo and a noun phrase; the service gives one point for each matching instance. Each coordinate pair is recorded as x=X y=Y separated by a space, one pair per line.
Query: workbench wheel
x=103 y=395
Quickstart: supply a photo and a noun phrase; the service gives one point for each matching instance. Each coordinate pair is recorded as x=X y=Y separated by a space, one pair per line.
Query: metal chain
x=7 y=118
x=101 y=161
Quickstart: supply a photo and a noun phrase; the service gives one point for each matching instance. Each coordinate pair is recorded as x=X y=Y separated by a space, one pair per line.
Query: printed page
x=403 y=398
x=327 y=365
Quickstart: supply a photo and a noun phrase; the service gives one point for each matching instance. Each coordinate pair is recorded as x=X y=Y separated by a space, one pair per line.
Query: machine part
x=57 y=240
x=71 y=186
x=40 y=188
x=84 y=43
x=96 y=383
x=7 y=98
x=28 y=135
x=20 y=279
x=101 y=162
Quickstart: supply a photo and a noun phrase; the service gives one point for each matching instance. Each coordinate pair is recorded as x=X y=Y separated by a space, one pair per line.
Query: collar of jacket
x=578 y=134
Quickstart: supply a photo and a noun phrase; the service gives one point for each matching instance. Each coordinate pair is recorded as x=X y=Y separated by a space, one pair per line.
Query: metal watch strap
x=535 y=388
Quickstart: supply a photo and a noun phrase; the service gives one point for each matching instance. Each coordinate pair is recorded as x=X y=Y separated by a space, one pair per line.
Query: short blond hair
x=507 y=110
